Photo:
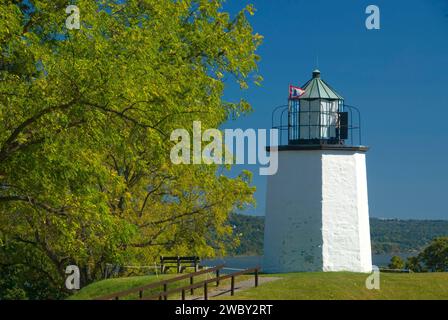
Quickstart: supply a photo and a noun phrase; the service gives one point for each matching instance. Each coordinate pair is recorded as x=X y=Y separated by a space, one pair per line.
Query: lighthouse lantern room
x=317 y=115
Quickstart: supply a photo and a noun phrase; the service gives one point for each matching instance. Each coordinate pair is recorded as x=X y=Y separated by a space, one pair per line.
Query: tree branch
x=33 y=202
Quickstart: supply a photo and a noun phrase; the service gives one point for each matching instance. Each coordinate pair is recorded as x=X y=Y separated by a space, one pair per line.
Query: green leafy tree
x=435 y=255
x=86 y=115
x=414 y=264
x=433 y=258
x=396 y=263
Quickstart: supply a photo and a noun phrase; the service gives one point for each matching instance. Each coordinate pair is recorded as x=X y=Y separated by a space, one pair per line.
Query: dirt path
x=224 y=290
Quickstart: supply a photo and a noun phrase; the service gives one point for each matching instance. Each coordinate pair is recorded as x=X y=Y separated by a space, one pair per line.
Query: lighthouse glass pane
x=309 y=119
x=328 y=119
x=304 y=119
x=318 y=119
x=293 y=119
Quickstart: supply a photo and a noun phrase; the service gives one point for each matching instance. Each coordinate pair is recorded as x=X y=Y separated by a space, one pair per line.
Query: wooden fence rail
x=204 y=283
x=163 y=283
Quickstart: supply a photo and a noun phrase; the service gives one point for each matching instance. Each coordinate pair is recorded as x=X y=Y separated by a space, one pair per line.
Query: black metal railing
x=321 y=127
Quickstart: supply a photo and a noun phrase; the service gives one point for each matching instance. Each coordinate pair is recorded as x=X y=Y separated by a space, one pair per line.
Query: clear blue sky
x=397 y=76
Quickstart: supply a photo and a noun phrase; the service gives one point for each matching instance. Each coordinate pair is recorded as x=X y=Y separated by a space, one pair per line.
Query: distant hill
x=404 y=236
x=389 y=236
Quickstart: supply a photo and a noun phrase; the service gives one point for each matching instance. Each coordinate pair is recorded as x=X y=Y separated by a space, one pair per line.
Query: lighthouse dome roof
x=316 y=88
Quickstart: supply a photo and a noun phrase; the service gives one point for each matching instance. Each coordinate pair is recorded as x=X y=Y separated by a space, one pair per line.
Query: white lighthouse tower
x=317 y=215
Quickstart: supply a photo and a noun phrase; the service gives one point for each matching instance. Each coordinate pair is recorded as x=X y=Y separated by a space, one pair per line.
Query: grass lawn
x=299 y=286
x=104 y=287
x=347 y=286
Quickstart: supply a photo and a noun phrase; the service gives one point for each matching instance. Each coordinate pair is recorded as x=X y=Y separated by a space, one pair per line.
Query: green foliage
x=85 y=118
x=433 y=258
x=393 y=236
x=414 y=264
x=15 y=294
x=250 y=232
x=396 y=263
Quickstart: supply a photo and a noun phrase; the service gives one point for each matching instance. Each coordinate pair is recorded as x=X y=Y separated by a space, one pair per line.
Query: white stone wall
x=363 y=214
x=317 y=213
x=345 y=223
x=293 y=239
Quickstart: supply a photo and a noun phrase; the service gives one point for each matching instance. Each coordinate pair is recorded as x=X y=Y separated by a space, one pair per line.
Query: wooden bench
x=181 y=263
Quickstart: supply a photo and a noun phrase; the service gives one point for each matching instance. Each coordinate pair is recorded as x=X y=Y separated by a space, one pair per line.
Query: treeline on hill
x=389 y=236
x=393 y=236
x=250 y=231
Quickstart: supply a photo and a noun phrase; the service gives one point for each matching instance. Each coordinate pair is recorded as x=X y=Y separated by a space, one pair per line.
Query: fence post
x=217 y=277
x=140 y=294
x=191 y=283
x=232 y=285
x=165 y=288
x=183 y=294
x=162 y=265
x=205 y=291
x=178 y=264
x=256 y=277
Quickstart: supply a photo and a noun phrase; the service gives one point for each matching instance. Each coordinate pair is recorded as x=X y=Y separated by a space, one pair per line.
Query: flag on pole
x=295 y=92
